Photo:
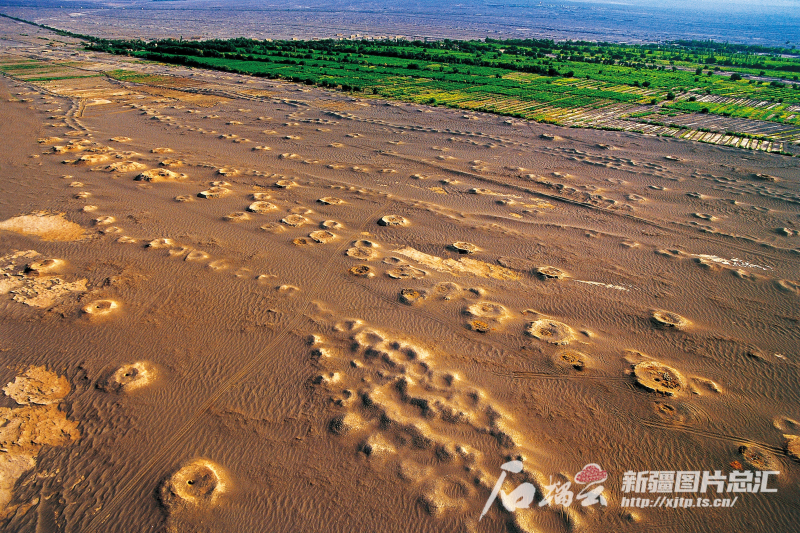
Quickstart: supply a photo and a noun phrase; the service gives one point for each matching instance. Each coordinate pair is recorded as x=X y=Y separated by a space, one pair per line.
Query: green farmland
x=671 y=89
x=528 y=79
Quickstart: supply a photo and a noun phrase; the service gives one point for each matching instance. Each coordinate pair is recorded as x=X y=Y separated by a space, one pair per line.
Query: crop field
x=683 y=88
x=37 y=71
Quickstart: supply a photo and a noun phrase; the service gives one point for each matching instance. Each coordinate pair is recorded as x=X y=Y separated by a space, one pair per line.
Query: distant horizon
x=768 y=23
x=760 y=4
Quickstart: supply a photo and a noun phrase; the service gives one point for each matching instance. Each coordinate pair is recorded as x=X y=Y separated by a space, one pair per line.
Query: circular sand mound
x=198 y=484
x=343 y=424
x=393 y=220
x=227 y=171
x=104 y=221
x=92 y=159
x=447 y=290
x=330 y=200
x=758 y=458
x=362 y=271
x=100 y=307
x=550 y=137
x=295 y=220
x=197 y=255
x=362 y=252
x=550 y=272
x=656 y=377
x=479 y=325
x=551 y=331
x=573 y=358
x=488 y=310
x=331 y=224
x=43 y=266
x=377 y=446
x=261 y=207
x=238 y=216
x=792 y=446
x=322 y=236
x=131 y=377
x=411 y=296
x=668 y=319
x=124 y=166
x=273 y=227
x=464 y=247
x=159 y=174
x=164 y=242
x=214 y=192
x=406 y=272
x=363 y=249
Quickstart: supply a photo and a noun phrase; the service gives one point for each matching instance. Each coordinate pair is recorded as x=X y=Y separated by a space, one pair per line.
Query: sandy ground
x=735 y=22
x=267 y=308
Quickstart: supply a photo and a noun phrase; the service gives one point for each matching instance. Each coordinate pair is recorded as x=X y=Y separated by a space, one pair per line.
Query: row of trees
x=253 y=50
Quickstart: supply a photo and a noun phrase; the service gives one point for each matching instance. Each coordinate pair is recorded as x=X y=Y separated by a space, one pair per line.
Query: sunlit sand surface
x=351 y=327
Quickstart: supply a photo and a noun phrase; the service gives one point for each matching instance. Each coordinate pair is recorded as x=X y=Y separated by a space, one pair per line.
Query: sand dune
x=355 y=328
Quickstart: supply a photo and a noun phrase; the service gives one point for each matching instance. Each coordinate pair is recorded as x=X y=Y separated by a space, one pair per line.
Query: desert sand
x=335 y=327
